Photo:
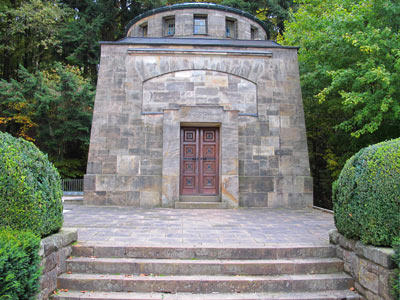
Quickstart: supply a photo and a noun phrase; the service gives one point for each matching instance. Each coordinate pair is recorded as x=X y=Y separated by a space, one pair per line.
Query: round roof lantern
x=199 y=20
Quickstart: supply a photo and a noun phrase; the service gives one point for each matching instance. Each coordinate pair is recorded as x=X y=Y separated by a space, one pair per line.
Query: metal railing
x=72 y=186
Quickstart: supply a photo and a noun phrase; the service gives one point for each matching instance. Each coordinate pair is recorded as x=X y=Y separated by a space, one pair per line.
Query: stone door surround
x=200 y=116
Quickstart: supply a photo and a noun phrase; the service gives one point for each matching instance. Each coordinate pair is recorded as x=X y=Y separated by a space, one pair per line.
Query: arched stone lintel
x=203 y=69
x=247 y=68
x=199 y=87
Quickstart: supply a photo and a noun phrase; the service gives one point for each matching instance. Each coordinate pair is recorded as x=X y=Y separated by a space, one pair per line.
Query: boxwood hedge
x=30 y=188
x=19 y=264
x=366 y=196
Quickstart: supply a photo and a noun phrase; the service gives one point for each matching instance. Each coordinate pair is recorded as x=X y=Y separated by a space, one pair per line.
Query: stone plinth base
x=54 y=250
x=371 y=267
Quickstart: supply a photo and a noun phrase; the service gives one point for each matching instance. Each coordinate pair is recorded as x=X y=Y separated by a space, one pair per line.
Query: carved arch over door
x=199 y=87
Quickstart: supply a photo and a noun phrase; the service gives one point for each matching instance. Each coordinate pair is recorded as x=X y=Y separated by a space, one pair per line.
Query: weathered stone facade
x=150 y=87
x=54 y=251
x=371 y=267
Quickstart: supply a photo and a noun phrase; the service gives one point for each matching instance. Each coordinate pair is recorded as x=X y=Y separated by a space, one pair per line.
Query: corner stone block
x=89 y=182
x=347 y=243
x=230 y=190
x=94 y=168
x=170 y=193
x=334 y=236
x=300 y=200
x=379 y=255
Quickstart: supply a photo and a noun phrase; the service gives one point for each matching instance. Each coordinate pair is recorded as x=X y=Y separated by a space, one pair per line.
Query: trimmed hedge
x=19 y=265
x=30 y=188
x=366 y=196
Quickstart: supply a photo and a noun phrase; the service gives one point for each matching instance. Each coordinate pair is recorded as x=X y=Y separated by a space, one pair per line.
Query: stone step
x=72 y=200
x=200 y=199
x=203 y=267
x=325 y=295
x=205 y=284
x=273 y=251
x=200 y=205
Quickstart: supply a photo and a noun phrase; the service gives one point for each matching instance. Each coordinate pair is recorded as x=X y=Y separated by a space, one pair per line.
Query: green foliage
x=19 y=265
x=95 y=21
x=30 y=188
x=53 y=108
x=396 y=258
x=366 y=196
x=29 y=34
x=349 y=66
x=350 y=52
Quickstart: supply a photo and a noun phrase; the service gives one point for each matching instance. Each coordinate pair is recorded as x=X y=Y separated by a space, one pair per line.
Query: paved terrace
x=225 y=227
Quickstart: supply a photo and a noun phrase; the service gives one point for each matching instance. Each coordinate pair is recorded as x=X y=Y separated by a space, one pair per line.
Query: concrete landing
x=227 y=227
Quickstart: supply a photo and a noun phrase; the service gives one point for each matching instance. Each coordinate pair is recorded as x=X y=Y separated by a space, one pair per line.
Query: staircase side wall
x=371 y=267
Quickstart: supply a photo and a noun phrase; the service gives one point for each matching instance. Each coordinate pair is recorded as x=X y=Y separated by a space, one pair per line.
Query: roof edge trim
x=198 y=42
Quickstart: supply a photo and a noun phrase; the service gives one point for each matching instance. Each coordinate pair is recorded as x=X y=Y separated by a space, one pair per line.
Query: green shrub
x=396 y=258
x=366 y=196
x=30 y=188
x=19 y=264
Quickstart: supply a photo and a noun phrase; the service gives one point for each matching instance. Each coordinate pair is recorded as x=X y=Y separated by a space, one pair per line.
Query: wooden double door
x=199 y=161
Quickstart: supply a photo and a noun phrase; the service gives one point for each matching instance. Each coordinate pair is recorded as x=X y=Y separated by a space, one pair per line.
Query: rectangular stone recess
x=199 y=88
x=199 y=161
x=206 y=117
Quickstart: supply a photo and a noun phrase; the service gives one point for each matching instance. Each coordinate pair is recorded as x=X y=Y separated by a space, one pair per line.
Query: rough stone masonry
x=198 y=65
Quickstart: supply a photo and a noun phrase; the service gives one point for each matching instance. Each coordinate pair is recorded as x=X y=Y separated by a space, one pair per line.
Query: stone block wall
x=54 y=250
x=371 y=267
x=199 y=87
x=126 y=147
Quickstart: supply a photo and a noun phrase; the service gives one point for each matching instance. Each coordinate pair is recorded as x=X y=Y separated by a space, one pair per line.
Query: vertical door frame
x=204 y=116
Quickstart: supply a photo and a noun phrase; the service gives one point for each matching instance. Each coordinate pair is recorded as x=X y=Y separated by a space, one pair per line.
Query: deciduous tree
x=350 y=72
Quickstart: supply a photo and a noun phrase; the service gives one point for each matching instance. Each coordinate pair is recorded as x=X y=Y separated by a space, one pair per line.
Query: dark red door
x=199 y=161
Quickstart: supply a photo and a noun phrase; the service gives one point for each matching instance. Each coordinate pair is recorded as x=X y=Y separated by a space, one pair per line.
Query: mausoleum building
x=197 y=108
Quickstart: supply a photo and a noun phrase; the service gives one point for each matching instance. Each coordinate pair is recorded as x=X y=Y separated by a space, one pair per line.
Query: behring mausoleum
x=197 y=108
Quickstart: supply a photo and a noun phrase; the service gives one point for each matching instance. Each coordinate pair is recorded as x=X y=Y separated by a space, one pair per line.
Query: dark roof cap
x=160 y=41
x=197 y=5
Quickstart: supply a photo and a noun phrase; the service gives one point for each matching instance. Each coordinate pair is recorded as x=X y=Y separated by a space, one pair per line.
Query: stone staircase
x=270 y=272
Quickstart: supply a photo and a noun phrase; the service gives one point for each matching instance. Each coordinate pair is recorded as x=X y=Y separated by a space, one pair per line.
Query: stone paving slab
x=219 y=227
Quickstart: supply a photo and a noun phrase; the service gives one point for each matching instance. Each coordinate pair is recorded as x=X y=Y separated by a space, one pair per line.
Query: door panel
x=199 y=161
x=189 y=163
